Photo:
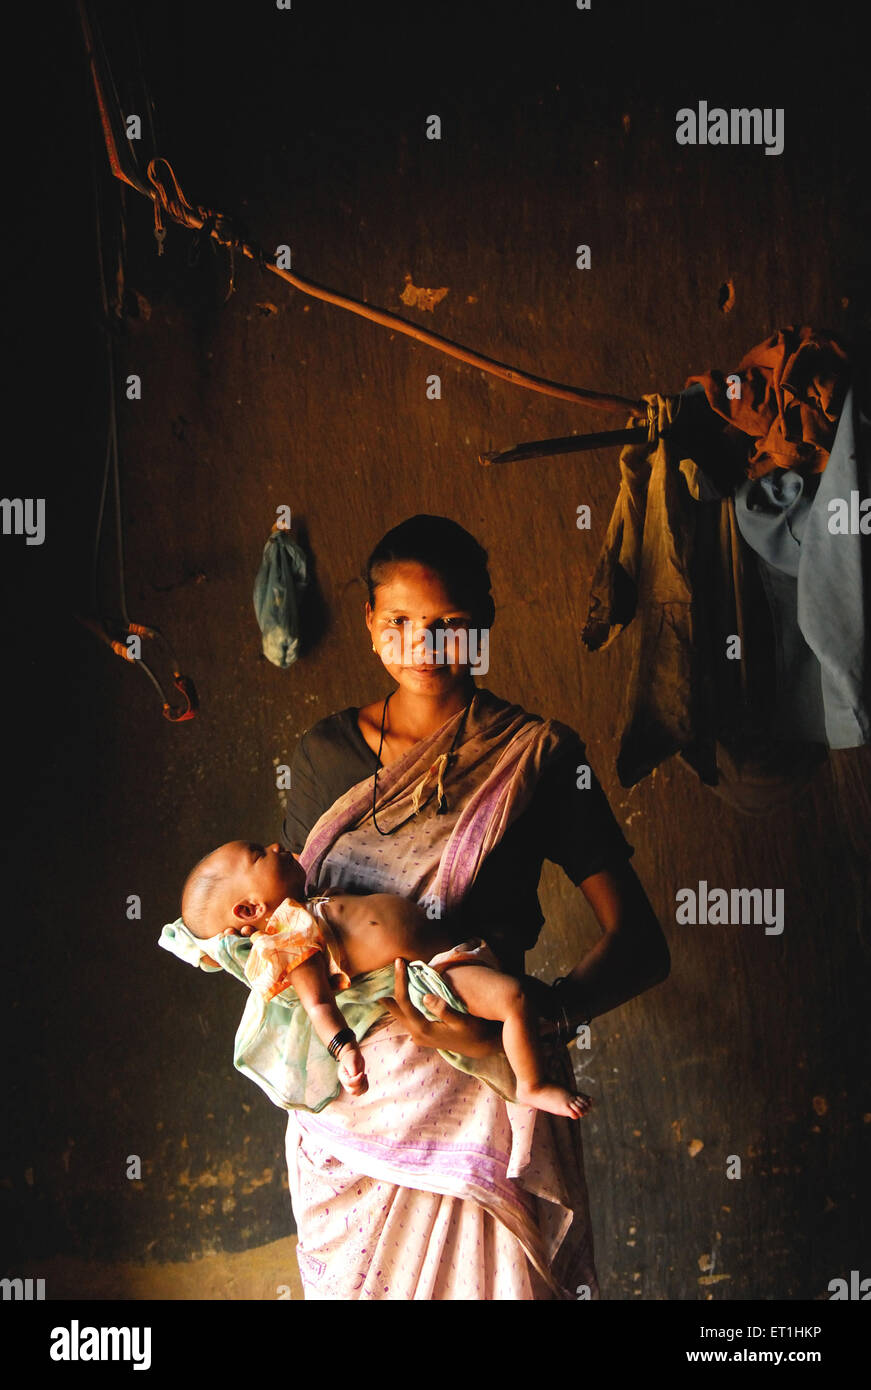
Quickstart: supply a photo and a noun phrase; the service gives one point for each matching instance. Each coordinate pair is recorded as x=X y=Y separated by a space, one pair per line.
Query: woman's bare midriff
x=375 y=930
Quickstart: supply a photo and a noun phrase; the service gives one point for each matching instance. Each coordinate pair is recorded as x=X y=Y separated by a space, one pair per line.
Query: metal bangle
x=344 y=1035
x=565 y=1030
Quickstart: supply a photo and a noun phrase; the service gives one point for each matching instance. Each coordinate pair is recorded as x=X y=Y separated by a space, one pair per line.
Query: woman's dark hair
x=444 y=546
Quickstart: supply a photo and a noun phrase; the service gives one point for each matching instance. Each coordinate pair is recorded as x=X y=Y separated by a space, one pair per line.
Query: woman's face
x=420 y=633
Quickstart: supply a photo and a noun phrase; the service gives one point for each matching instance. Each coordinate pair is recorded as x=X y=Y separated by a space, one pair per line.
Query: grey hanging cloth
x=283 y=575
x=816 y=568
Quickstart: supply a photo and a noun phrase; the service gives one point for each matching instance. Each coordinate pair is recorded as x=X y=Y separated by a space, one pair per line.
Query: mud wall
x=558 y=130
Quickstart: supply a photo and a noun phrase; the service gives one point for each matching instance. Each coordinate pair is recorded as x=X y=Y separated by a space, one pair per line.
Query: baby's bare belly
x=374 y=930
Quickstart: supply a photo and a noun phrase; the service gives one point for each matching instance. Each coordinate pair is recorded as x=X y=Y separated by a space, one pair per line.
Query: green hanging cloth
x=282 y=576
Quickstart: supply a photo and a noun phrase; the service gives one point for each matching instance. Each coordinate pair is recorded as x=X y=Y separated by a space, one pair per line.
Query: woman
x=429 y=1186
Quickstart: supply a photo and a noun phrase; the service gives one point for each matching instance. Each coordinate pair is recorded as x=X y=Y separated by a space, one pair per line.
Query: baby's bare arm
x=313 y=987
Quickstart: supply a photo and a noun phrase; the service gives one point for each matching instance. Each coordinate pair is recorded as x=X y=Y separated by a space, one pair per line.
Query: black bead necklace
x=443 y=804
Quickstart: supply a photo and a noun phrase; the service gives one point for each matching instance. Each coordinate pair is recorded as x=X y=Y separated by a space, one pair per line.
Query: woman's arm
x=581 y=834
x=631 y=955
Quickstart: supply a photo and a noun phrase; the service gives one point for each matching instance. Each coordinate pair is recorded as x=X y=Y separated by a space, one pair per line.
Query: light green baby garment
x=276 y=1045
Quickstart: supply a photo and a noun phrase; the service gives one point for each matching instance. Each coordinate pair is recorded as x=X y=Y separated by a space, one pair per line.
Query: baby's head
x=238 y=886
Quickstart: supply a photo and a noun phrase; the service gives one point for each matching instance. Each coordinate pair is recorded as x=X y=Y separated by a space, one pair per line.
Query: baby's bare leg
x=490 y=994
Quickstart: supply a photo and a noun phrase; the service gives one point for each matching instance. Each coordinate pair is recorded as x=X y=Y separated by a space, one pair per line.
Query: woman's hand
x=453 y=1032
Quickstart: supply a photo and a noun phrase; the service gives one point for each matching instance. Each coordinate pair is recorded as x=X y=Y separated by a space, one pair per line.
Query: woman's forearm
x=631 y=956
x=608 y=976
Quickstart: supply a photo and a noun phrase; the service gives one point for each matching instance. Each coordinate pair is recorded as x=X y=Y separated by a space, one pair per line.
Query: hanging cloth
x=787 y=395
x=283 y=572
x=818 y=580
x=673 y=560
x=679 y=557
x=645 y=570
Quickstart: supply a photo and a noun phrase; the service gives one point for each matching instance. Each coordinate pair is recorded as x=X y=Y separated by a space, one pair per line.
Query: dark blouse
x=573 y=827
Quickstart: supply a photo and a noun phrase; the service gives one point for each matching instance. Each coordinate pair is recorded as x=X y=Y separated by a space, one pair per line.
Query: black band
x=566 y=1031
x=344 y=1035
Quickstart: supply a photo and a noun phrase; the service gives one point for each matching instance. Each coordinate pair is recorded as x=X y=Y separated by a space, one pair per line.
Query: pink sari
x=430 y=1186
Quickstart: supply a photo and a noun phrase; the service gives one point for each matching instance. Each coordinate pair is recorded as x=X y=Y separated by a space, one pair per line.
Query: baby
x=248 y=889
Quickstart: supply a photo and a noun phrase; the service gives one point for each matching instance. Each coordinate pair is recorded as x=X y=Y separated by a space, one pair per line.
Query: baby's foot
x=556 y=1100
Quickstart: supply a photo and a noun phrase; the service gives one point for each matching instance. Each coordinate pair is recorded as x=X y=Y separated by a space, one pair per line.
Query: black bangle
x=344 y=1035
x=565 y=1031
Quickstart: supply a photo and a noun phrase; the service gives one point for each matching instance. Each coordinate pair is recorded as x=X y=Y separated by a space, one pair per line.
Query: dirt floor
x=266 y=1272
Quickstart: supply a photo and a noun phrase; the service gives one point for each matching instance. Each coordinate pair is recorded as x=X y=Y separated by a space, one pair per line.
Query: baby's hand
x=352 y=1070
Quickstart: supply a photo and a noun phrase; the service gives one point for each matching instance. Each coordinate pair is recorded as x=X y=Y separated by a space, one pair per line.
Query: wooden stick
x=570 y=444
x=597 y=399
x=194 y=218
